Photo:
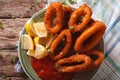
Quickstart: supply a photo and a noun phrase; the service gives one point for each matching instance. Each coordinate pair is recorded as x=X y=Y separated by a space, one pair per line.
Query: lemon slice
x=27 y=42
x=45 y=41
x=31 y=53
x=29 y=26
x=40 y=51
x=38 y=40
x=40 y=29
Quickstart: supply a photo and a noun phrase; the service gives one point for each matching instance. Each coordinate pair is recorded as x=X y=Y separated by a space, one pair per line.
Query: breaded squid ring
x=74 y=63
x=67 y=13
x=67 y=9
x=55 y=7
x=64 y=33
x=90 y=37
x=99 y=58
x=84 y=12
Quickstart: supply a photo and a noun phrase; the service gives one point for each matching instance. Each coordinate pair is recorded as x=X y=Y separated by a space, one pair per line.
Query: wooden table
x=13 y=16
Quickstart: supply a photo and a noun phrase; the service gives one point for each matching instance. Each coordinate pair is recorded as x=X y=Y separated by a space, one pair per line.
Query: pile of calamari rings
x=77 y=35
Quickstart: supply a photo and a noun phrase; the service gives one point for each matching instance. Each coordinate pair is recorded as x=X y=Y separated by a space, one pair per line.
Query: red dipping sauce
x=46 y=71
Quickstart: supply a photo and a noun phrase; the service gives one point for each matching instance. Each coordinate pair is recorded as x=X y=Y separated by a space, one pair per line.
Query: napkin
x=107 y=11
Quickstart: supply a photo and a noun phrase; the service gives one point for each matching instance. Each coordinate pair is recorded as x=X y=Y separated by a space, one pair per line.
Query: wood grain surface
x=13 y=16
x=18 y=8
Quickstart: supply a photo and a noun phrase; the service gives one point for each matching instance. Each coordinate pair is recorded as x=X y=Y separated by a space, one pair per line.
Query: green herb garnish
x=30 y=7
x=21 y=17
x=71 y=28
x=1 y=26
x=72 y=1
x=14 y=59
x=10 y=15
x=78 y=60
x=64 y=2
x=37 y=2
x=8 y=78
x=1 y=56
x=13 y=17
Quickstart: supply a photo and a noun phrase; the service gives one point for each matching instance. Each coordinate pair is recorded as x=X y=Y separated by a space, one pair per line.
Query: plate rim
x=19 y=47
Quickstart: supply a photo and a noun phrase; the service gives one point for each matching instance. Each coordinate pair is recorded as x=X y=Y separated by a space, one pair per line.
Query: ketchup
x=46 y=71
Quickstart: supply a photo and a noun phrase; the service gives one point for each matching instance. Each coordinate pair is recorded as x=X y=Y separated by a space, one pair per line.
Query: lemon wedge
x=45 y=41
x=27 y=42
x=40 y=29
x=40 y=51
x=38 y=40
x=31 y=53
x=29 y=26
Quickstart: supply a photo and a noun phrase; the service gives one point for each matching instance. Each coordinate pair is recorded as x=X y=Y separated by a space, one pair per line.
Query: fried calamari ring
x=90 y=37
x=67 y=9
x=74 y=63
x=84 y=14
x=55 y=7
x=99 y=57
x=68 y=41
x=67 y=13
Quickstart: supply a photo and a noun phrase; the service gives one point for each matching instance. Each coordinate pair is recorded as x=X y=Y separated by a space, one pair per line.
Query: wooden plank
x=13 y=78
x=6 y=66
x=18 y=8
x=10 y=34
